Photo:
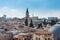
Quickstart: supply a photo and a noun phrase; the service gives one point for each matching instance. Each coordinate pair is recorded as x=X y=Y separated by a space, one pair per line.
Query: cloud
x=11 y=12
x=21 y=12
x=47 y=13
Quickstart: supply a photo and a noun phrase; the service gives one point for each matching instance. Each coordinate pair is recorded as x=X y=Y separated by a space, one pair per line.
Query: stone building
x=23 y=36
x=43 y=35
x=6 y=36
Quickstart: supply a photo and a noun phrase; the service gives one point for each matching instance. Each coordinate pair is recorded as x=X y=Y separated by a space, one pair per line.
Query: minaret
x=27 y=18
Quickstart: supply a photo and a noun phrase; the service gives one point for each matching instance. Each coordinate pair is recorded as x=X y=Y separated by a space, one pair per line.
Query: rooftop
x=42 y=32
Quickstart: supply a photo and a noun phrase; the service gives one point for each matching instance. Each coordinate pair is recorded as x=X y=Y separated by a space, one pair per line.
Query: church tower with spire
x=27 y=13
x=27 y=18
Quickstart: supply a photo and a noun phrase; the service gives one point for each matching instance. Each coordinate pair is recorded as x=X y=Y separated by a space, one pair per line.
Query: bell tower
x=27 y=13
x=27 y=18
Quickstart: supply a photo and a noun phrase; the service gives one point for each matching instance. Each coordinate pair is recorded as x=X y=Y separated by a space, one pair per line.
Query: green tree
x=52 y=22
x=40 y=25
x=26 y=22
x=45 y=23
x=31 y=24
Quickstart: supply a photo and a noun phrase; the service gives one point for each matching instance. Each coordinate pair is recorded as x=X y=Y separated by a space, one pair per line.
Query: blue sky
x=40 y=8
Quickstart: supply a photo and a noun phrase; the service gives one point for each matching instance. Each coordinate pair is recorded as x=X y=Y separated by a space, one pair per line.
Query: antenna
x=33 y=14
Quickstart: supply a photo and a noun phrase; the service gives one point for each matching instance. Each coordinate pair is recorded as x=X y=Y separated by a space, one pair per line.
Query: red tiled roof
x=42 y=32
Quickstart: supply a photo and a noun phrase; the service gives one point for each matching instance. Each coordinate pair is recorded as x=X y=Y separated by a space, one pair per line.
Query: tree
x=52 y=22
x=26 y=22
x=45 y=23
x=31 y=24
x=40 y=25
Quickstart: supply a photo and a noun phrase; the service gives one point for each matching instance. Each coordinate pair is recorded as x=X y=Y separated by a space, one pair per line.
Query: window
x=45 y=38
x=49 y=34
x=19 y=39
x=39 y=38
x=36 y=38
x=25 y=39
x=16 y=39
x=45 y=34
x=48 y=38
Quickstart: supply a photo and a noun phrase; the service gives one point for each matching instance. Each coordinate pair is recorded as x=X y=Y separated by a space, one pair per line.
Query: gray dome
x=14 y=32
x=55 y=30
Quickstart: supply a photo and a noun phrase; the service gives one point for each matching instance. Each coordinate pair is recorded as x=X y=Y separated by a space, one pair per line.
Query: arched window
x=48 y=38
x=45 y=38
x=39 y=38
x=25 y=39
x=36 y=38
x=19 y=39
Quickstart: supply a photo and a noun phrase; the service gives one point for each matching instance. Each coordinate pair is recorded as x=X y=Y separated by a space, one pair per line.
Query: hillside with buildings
x=28 y=28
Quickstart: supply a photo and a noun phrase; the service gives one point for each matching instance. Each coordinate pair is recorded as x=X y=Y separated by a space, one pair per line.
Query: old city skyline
x=29 y=19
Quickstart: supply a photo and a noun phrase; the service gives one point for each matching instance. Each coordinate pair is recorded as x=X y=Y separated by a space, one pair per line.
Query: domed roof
x=55 y=30
x=14 y=32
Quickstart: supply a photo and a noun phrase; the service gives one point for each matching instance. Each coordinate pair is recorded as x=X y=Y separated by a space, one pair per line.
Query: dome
x=14 y=32
x=55 y=30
